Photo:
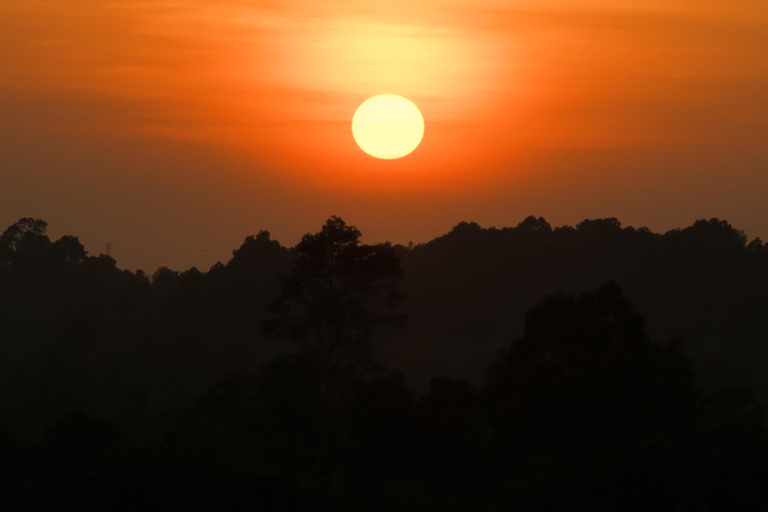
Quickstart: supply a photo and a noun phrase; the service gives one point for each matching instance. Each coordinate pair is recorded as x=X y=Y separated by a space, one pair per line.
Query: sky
x=173 y=129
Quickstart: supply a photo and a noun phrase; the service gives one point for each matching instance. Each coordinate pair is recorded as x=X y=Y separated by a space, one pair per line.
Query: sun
x=388 y=126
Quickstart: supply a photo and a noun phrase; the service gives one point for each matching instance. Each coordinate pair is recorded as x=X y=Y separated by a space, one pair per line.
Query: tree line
x=309 y=378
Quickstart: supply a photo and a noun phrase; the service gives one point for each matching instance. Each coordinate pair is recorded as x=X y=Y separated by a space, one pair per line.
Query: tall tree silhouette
x=586 y=393
x=338 y=290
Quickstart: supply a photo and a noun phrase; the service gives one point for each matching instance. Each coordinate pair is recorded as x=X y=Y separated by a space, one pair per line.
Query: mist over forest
x=579 y=367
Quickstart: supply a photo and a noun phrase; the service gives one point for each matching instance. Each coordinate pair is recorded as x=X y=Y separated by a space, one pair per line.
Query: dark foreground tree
x=595 y=413
x=338 y=291
x=26 y=233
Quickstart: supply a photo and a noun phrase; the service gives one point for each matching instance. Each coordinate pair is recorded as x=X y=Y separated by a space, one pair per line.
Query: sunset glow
x=371 y=255
x=222 y=114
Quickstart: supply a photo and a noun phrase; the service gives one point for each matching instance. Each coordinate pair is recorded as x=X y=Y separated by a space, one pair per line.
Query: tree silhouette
x=100 y=367
x=25 y=234
x=584 y=394
x=339 y=289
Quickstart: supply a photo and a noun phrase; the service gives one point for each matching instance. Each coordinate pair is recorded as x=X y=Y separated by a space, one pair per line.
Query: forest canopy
x=288 y=378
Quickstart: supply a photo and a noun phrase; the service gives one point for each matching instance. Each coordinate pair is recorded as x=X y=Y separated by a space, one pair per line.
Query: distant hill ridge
x=469 y=289
x=79 y=333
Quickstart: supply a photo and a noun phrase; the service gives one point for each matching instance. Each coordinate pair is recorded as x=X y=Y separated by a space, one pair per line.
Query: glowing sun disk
x=388 y=126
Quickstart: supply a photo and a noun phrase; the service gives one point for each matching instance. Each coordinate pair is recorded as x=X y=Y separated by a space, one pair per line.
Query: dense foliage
x=509 y=391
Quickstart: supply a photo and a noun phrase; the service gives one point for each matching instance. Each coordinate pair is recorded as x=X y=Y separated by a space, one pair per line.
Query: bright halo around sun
x=387 y=126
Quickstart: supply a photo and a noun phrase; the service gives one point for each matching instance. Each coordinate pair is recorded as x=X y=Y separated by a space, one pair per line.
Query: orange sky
x=175 y=128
